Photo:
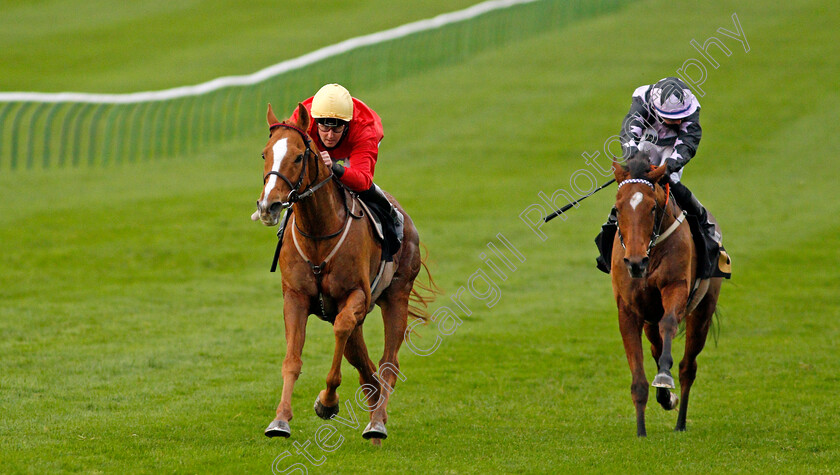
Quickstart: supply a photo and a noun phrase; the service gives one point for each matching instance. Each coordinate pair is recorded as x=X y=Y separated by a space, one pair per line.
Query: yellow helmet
x=332 y=102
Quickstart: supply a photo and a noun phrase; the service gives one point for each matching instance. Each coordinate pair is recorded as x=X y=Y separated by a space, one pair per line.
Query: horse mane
x=638 y=165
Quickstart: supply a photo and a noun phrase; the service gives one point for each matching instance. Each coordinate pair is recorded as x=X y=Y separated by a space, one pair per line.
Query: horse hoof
x=278 y=429
x=663 y=380
x=675 y=402
x=671 y=403
x=668 y=400
x=375 y=430
x=325 y=412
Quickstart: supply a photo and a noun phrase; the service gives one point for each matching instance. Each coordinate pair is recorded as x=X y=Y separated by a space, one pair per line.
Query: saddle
x=375 y=220
x=384 y=227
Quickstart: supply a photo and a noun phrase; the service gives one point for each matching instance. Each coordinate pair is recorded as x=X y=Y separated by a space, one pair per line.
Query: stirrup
x=399 y=220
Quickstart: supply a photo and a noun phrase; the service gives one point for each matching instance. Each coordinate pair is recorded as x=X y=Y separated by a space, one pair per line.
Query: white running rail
x=271 y=71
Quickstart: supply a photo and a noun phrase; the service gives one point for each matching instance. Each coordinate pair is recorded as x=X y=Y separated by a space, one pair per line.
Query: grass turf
x=142 y=331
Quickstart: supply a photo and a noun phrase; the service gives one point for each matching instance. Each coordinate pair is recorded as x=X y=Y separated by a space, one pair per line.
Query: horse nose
x=268 y=212
x=636 y=267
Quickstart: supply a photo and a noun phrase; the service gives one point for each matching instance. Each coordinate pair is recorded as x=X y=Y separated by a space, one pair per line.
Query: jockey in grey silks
x=663 y=122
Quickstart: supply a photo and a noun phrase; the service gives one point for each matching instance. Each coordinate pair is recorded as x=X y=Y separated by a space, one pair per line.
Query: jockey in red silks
x=348 y=133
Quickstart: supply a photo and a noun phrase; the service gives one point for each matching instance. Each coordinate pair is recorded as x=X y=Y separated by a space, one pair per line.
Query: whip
x=573 y=203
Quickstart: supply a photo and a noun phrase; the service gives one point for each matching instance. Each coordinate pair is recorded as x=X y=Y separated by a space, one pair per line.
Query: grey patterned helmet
x=672 y=99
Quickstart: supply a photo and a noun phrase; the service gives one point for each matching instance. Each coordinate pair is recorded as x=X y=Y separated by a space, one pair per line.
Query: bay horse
x=328 y=264
x=653 y=273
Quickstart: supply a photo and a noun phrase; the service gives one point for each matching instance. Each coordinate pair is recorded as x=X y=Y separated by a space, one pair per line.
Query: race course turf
x=141 y=330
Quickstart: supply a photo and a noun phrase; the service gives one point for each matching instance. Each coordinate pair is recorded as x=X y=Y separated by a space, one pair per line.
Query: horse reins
x=295 y=196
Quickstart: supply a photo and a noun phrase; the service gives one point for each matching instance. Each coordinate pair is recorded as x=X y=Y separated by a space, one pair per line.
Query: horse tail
x=422 y=294
x=714 y=325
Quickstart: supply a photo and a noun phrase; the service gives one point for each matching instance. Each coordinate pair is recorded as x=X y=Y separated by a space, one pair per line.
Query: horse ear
x=657 y=173
x=270 y=117
x=304 y=119
x=620 y=173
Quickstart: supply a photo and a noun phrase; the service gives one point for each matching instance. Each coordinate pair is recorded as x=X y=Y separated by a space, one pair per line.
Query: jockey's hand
x=672 y=165
x=325 y=157
x=629 y=151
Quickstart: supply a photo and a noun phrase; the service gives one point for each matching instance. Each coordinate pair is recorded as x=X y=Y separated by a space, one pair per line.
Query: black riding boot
x=604 y=241
x=686 y=200
x=716 y=261
x=374 y=195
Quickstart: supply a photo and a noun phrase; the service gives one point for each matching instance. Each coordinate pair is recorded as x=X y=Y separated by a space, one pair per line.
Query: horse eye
x=263 y=156
x=299 y=158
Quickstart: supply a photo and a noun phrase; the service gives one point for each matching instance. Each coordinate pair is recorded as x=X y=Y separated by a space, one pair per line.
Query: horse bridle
x=295 y=196
x=657 y=227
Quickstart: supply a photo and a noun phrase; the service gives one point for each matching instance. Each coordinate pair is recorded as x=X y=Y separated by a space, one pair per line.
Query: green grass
x=141 y=330
x=105 y=46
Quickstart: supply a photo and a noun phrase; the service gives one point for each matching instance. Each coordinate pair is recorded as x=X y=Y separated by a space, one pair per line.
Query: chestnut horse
x=653 y=274
x=328 y=262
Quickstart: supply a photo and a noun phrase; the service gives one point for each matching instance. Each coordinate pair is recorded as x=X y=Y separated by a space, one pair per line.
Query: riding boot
x=376 y=196
x=604 y=241
x=689 y=203
x=713 y=260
